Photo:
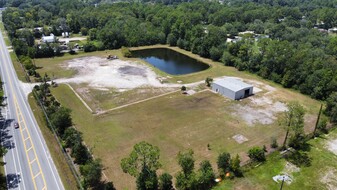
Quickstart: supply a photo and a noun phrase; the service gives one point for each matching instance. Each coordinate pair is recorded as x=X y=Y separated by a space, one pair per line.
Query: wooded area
x=292 y=52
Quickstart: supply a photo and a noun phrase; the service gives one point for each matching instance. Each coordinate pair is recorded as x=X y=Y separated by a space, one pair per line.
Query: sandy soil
x=261 y=109
x=329 y=178
x=101 y=73
x=332 y=146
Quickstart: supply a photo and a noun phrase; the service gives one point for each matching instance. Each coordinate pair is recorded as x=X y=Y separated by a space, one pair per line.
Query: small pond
x=170 y=61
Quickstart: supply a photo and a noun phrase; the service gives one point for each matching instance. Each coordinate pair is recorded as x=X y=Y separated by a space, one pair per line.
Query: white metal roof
x=48 y=38
x=232 y=84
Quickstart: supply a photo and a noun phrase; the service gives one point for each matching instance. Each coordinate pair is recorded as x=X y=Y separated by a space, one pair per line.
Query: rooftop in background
x=232 y=84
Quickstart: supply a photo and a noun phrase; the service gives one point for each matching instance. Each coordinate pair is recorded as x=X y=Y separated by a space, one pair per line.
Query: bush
x=165 y=182
x=322 y=125
x=126 y=52
x=257 y=154
x=274 y=143
x=89 y=47
x=208 y=81
x=183 y=88
x=299 y=158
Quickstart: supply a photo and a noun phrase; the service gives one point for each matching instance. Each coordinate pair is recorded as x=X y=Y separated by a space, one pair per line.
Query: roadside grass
x=17 y=66
x=173 y=123
x=308 y=178
x=66 y=175
x=3 y=182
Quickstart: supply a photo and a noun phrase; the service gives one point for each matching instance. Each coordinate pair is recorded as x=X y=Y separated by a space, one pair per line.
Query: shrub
x=257 y=154
x=126 y=52
x=274 y=143
x=183 y=88
x=299 y=158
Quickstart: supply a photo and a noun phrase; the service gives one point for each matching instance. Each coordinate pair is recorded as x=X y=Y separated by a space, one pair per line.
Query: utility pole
x=318 y=117
x=282 y=183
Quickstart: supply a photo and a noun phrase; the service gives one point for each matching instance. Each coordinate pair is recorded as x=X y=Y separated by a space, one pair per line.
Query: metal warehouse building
x=232 y=88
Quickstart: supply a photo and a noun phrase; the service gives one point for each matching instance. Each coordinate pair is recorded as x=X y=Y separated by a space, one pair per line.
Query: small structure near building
x=65 y=34
x=49 y=39
x=232 y=88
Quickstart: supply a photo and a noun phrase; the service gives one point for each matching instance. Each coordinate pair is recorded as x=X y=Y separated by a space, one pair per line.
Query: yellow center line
x=21 y=118
x=37 y=175
x=32 y=161
x=29 y=149
x=26 y=138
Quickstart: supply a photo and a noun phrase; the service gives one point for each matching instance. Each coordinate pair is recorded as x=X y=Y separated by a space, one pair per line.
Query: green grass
x=308 y=177
x=67 y=177
x=173 y=123
x=3 y=182
x=17 y=66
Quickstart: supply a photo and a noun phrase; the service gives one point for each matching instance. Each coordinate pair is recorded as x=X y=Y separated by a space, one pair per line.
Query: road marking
x=26 y=138
x=32 y=161
x=14 y=139
x=37 y=175
x=19 y=118
x=29 y=150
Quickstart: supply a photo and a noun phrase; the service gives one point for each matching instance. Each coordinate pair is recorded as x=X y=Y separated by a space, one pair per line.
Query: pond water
x=170 y=61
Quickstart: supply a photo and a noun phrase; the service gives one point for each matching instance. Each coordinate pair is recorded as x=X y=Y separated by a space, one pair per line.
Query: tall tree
x=224 y=163
x=92 y=172
x=142 y=163
x=294 y=120
x=331 y=107
x=206 y=175
x=165 y=182
x=186 y=178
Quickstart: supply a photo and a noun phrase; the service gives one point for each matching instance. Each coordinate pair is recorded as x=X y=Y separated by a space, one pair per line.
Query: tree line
x=143 y=161
x=71 y=139
x=293 y=54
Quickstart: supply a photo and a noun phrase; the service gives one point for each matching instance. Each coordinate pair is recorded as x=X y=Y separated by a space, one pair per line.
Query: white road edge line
x=16 y=150
x=37 y=131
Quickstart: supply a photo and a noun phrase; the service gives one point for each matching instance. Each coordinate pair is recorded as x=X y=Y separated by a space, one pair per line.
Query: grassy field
x=174 y=122
x=67 y=177
x=310 y=177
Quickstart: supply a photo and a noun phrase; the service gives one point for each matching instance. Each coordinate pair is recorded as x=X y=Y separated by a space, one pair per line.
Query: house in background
x=49 y=39
x=232 y=88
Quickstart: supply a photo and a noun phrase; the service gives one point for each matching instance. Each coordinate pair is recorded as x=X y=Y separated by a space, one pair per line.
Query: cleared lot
x=173 y=122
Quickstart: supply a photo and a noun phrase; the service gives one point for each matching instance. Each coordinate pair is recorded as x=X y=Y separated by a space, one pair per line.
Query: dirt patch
x=290 y=168
x=332 y=146
x=131 y=70
x=101 y=73
x=329 y=179
x=240 y=138
x=263 y=111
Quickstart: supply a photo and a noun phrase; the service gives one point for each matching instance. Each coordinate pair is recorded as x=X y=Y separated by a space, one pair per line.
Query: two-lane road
x=28 y=161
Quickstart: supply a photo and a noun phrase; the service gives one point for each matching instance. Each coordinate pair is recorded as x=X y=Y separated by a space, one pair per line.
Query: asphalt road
x=28 y=161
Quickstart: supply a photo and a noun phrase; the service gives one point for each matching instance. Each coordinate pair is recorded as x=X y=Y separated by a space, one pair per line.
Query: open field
x=176 y=122
x=173 y=122
x=320 y=175
x=67 y=177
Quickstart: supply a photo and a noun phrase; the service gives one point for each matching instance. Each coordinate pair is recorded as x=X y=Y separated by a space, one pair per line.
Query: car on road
x=16 y=125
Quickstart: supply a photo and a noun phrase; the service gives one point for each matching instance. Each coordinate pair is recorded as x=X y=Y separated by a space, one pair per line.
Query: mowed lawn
x=173 y=123
x=319 y=175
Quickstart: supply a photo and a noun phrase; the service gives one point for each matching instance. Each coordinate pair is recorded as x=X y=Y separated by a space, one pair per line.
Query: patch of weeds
x=299 y=158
